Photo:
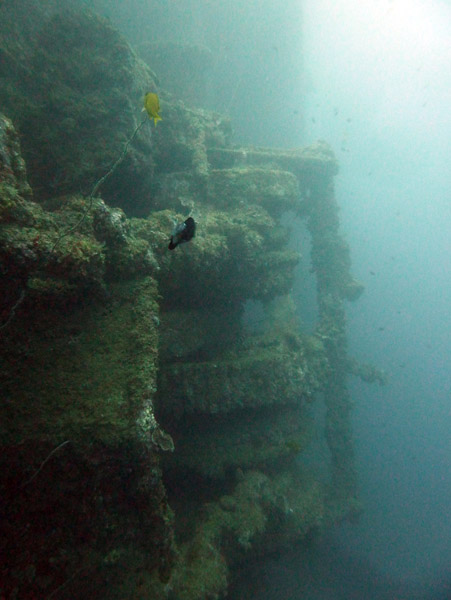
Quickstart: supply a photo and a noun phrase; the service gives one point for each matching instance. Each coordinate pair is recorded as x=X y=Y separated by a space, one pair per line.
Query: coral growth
x=151 y=438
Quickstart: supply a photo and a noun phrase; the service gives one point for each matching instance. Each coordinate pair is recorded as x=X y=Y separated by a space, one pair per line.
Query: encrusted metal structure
x=151 y=440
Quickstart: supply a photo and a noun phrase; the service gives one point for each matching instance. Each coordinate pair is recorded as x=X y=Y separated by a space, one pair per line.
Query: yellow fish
x=152 y=106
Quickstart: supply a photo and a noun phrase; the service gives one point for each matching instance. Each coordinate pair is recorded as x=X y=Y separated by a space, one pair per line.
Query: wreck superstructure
x=151 y=440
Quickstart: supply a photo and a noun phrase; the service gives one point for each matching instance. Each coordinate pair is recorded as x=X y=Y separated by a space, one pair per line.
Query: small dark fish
x=182 y=232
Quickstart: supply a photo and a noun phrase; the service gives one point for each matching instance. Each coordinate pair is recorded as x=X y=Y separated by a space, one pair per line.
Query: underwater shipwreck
x=152 y=441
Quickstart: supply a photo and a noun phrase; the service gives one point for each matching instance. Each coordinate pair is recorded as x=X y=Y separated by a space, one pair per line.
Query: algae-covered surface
x=152 y=442
x=86 y=369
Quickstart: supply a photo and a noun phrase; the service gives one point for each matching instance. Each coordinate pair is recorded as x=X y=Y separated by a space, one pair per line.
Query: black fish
x=182 y=232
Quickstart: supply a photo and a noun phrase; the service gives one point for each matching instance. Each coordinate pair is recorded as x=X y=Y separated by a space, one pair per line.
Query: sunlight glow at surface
x=408 y=28
x=387 y=61
x=380 y=38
